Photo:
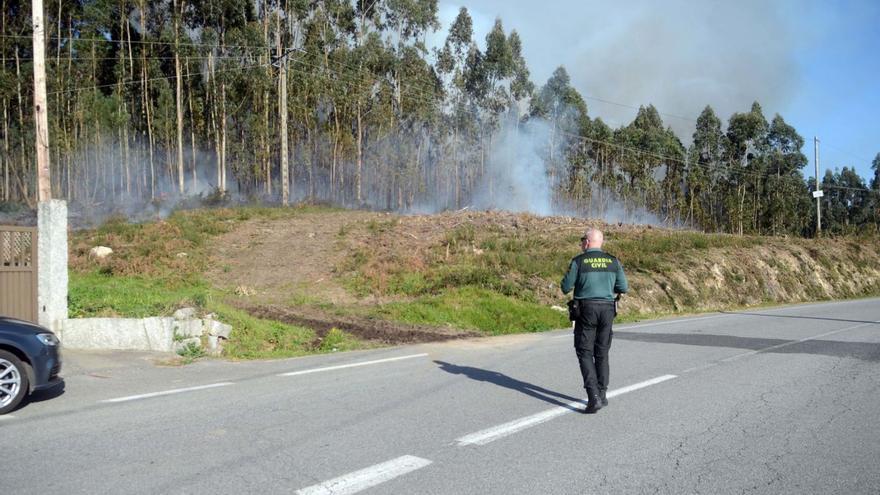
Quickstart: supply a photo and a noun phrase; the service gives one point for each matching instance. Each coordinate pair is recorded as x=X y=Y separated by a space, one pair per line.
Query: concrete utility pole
x=41 y=119
x=818 y=192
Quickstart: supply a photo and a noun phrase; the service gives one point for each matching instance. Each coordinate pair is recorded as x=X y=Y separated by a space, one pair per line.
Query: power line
x=138 y=57
x=624 y=105
x=140 y=42
x=861 y=158
x=862 y=189
x=141 y=81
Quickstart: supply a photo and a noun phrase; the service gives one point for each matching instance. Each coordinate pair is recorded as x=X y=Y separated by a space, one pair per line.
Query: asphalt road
x=781 y=400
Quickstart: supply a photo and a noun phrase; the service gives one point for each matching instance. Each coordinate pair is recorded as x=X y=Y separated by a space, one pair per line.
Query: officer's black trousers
x=592 y=341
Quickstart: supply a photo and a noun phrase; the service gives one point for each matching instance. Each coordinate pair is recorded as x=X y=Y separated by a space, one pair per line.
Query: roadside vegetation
x=157 y=267
x=422 y=278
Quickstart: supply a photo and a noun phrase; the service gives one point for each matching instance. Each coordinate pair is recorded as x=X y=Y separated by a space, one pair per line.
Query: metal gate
x=18 y=272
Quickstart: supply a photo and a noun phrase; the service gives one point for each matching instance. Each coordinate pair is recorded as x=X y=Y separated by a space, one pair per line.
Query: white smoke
x=517 y=178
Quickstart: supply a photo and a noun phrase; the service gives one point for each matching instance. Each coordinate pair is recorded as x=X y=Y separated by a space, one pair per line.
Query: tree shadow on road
x=866 y=351
x=505 y=381
x=765 y=315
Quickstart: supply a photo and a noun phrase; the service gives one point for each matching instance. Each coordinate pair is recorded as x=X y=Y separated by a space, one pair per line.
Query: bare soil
x=368 y=329
x=278 y=261
x=287 y=269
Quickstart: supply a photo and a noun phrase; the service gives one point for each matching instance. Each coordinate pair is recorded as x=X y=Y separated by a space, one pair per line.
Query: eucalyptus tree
x=458 y=66
x=785 y=180
x=745 y=145
x=565 y=112
x=874 y=208
x=218 y=19
x=845 y=205
x=413 y=90
x=605 y=177
x=505 y=75
x=644 y=147
x=704 y=172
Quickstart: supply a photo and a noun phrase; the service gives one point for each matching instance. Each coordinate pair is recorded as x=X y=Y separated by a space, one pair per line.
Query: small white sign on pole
x=818 y=194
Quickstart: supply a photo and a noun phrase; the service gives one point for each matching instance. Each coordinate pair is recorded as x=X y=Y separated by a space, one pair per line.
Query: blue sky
x=816 y=63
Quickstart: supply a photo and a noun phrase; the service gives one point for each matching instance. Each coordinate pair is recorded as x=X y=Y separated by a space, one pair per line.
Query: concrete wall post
x=52 y=263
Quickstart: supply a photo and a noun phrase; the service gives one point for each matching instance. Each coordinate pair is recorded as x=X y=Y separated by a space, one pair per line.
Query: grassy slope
x=157 y=267
x=495 y=273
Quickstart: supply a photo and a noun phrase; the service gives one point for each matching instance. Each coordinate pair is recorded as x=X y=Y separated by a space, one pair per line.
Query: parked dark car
x=30 y=360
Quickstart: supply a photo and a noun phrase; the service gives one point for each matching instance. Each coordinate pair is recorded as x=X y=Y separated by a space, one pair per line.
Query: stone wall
x=163 y=334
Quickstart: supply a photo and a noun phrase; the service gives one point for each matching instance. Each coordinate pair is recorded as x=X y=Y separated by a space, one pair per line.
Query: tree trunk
x=192 y=129
x=223 y=138
x=5 y=151
x=24 y=165
x=178 y=94
x=146 y=102
x=360 y=156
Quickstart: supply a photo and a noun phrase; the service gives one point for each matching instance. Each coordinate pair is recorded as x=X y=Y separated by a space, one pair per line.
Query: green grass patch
x=338 y=340
x=476 y=309
x=256 y=338
x=96 y=294
x=190 y=353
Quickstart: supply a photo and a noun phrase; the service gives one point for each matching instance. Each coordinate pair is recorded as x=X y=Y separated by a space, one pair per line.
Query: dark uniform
x=596 y=278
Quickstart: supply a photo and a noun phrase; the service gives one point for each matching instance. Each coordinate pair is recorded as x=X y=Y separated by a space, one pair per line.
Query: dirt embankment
x=299 y=270
x=780 y=271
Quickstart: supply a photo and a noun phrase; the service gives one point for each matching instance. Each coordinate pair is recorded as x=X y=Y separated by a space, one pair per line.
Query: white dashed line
x=7 y=416
x=167 y=392
x=366 y=478
x=491 y=434
x=352 y=365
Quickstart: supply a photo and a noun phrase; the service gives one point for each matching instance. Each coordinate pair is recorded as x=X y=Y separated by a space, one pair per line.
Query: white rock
x=100 y=252
x=218 y=329
x=214 y=345
x=185 y=314
x=189 y=328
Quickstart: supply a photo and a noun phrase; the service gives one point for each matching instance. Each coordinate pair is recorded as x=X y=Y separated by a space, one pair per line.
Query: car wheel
x=13 y=382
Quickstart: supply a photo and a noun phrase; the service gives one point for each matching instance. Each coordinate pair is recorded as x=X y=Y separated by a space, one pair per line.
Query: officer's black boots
x=594 y=403
x=602 y=398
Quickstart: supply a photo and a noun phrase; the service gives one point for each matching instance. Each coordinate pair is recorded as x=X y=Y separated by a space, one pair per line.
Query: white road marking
x=7 y=416
x=494 y=433
x=352 y=365
x=366 y=478
x=167 y=392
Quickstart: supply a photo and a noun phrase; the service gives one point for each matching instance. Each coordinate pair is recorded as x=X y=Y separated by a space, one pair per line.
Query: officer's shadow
x=505 y=381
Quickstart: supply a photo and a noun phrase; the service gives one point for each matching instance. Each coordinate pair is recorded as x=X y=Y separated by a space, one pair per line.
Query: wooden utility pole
x=818 y=193
x=41 y=119
x=282 y=103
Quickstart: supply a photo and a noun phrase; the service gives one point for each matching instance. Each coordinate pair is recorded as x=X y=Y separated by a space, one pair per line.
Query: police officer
x=596 y=278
